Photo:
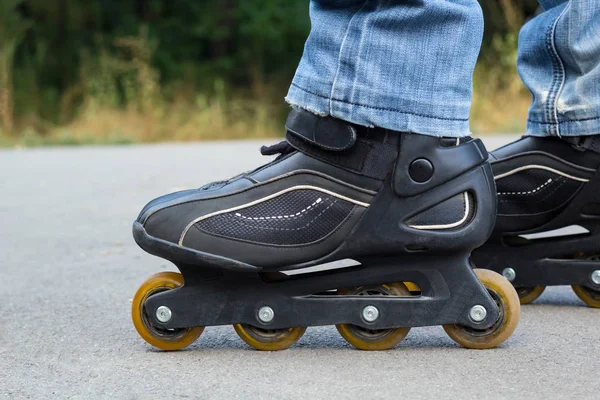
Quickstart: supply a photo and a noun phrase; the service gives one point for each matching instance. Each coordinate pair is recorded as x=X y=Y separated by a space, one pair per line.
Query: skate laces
x=282 y=149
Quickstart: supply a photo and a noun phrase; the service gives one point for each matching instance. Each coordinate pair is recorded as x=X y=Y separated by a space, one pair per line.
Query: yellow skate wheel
x=165 y=339
x=413 y=288
x=508 y=305
x=269 y=339
x=374 y=339
x=589 y=296
x=530 y=294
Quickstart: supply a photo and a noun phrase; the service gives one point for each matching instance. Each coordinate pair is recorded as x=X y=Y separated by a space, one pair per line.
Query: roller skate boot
x=548 y=225
x=366 y=229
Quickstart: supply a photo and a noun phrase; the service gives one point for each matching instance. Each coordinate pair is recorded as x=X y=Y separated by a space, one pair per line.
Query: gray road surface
x=69 y=269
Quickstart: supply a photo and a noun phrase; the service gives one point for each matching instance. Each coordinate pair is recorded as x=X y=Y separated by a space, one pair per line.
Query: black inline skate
x=335 y=230
x=548 y=226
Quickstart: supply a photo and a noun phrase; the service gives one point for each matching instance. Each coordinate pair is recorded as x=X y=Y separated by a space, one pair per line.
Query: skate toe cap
x=162 y=201
x=167 y=216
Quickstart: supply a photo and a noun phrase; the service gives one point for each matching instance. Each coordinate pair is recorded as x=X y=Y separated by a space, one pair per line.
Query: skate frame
x=544 y=262
x=211 y=296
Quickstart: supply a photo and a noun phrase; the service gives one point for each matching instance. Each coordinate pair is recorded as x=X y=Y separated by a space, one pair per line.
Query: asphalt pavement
x=70 y=267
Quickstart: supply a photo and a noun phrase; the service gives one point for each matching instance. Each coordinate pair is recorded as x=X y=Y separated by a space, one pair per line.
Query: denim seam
x=554 y=78
x=337 y=72
x=563 y=121
x=547 y=114
x=558 y=80
x=562 y=68
x=378 y=108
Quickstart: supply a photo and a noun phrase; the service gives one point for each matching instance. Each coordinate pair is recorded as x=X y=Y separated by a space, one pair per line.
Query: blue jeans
x=407 y=65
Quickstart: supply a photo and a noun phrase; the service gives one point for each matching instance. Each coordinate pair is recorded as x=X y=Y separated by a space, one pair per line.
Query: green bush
x=179 y=69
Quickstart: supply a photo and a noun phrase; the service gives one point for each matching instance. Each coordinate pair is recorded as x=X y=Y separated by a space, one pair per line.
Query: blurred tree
x=73 y=56
x=12 y=30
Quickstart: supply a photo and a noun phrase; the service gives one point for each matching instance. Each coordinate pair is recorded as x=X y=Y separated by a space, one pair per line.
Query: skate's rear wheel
x=509 y=310
x=269 y=339
x=530 y=294
x=165 y=339
x=374 y=339
x=589 y=296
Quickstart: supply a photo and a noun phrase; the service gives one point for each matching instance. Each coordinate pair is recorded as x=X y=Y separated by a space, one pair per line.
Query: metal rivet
x=478 y=313
x=370 y=313
x=163 y=314
x=509 y=274
x=596 y=277
x=266 y=314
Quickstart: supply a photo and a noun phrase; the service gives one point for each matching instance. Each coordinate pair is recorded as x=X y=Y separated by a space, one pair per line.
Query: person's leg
x=400 y=65
x=559 y=61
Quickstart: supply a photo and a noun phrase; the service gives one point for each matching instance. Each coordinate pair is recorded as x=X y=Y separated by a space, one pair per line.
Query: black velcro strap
x=369 y=158
x=326 y=133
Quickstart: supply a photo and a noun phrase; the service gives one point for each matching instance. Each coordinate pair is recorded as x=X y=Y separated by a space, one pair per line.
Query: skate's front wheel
x=589 y=296
x=509 y=310
x=374 y=339
x=269 y=339
x=165 y=339
x=530 y=294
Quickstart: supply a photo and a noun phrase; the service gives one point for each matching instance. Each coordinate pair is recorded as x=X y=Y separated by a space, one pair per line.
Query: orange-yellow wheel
x=509 y=309
x=589 y=296
x=269 y=339
x=165 y=339
x=374 y=339
x=530 y=294
x=413 y=288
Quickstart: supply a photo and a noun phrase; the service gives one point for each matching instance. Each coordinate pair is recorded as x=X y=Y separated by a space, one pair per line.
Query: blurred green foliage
x=66 y=60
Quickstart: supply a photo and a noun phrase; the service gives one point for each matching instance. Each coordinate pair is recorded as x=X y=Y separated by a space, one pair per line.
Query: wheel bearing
x=509 y=274
x=266 y=314
x=478 y=313
x=163 y=314
x=596 y=277
x=370 y=313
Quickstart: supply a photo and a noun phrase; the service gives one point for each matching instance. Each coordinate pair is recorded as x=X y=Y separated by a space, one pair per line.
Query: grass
x=63 y=138
x=178 y=122
x=499 y=111
x=495 y=110
x=500 y=100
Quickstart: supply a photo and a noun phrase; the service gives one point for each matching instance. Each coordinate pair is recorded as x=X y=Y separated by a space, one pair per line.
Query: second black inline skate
x=548 y=225
x=330 y=232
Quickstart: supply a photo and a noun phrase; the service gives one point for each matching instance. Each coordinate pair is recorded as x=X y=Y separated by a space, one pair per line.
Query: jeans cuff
x=579 y=127
x=371 y=116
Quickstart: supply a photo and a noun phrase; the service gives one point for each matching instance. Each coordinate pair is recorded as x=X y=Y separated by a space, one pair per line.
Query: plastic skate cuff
x=326 y=133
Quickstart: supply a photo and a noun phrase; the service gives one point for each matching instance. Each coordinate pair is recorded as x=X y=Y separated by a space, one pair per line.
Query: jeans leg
x=559 y=61
x=403 y=65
